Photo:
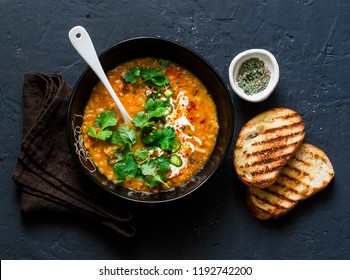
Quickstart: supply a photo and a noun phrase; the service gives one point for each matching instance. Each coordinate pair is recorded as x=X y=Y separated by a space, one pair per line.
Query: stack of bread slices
x=278 y=169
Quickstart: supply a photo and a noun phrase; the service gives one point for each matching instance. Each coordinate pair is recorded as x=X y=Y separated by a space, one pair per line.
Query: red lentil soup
x=173 y=132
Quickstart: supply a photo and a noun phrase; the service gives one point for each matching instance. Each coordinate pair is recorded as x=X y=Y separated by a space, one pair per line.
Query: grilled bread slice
x=265 y=144
x=308 y=172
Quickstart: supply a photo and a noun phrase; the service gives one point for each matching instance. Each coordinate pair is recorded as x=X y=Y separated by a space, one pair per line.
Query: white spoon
x=81 y=41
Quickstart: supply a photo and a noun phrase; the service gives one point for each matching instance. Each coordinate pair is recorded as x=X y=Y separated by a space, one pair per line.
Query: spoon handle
x=81 y=41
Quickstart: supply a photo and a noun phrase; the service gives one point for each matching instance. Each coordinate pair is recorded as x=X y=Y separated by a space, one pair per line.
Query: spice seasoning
x=253 y=76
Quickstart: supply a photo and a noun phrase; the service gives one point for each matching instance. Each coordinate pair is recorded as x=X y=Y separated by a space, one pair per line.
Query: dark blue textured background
x=311 y=41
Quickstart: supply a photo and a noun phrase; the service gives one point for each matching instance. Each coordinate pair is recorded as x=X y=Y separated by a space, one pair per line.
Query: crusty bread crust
x=265 y=144
x=308 y=172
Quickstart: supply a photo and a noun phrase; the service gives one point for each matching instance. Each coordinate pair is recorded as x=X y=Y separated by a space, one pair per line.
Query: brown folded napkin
x=48 y=177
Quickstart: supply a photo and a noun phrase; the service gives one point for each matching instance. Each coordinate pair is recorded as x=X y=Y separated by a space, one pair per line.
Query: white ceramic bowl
x=270 y=62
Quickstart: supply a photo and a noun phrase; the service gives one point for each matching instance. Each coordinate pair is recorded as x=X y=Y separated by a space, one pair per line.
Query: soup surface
x=173 y=132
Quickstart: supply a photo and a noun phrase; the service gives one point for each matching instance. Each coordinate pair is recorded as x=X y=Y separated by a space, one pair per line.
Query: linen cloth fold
x=48 y=177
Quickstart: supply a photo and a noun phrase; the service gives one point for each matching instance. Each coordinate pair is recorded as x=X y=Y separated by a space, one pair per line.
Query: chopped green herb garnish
x=127 y=134
x=141 y=154
x=149 y=75
x=163 y=166
x=132 y=75
x=124 y=136
x=155 y=108
x=140 y=119
x=164 y=64
x=151 y=164
x=154 y=76
x=128 y=168
x=118 y=156
x=152 y=171
x=103 y=121
x=161 y=138
x=155 y=172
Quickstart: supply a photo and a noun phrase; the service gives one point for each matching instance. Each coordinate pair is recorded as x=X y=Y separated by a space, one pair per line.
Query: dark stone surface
x=311 y=41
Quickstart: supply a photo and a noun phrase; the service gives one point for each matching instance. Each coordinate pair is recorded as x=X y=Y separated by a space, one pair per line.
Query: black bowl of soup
x=182 y=127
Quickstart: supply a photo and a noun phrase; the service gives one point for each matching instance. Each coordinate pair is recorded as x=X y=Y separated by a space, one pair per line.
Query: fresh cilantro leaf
x=103 y=120
x=151 y=181
x=150 y=104
x=106 y=119
x=156 y=108
x=92 y=132
x=132 y=75
x=168 y=144
x=127 y=134
x=160 y=180
x=139 y=176
x=127 y=169
x=149 y=168
x=163 y=167
x=140 y=120
x=119 y=173
x=123 y=136
x=121 y=154
x=116 y=139
x=163 y=139
x=150 y=137
x=152 y=178
x=141 y=155
x=160 y=80
x=154 y=76
x=169 y=132
x=104 y=134
x=164 y=64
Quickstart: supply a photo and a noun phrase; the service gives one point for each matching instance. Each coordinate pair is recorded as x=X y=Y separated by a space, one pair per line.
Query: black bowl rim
x=198 y=56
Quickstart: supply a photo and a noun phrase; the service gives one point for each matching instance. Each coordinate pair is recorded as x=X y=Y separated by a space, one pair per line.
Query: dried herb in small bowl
x=253 y=76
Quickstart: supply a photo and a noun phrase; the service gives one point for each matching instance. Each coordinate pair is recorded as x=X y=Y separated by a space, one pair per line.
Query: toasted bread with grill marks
x=308 y=172
x=265 y=144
